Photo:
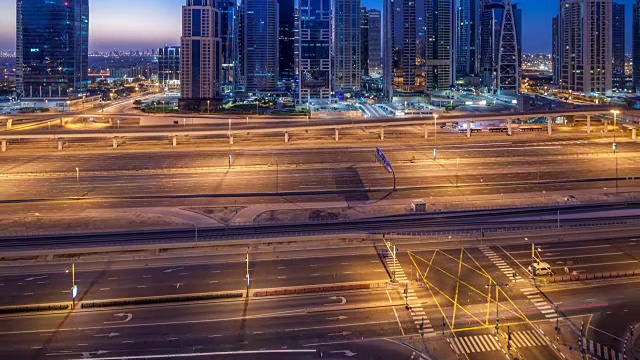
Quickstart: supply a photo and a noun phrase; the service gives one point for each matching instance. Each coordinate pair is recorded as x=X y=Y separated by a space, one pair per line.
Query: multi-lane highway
x=446 y=284
x=46 y=176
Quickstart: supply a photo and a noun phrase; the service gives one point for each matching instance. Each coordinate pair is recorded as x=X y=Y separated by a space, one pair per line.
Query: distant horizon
x=125 y=25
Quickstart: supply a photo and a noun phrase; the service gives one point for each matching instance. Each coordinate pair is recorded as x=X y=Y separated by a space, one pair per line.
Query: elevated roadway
x=279 y=128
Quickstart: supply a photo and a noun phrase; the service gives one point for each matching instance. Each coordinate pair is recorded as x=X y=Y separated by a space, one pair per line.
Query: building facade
x=585 y=43
x=508 y=54
x=440 y=70
x=286 y=43
x=374 y=46
x=555 y=51
x=491 y=18
x=229 y=45
x=314 y=51
x=169 y=67
x=364 y=41
x=467 y=37
x=347 y=69
x=200 y=52
x=635 y=34
x=52 y=48
x=618 y=39
x=260 y=43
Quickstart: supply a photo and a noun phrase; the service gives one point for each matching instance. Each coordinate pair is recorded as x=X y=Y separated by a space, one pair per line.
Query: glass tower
x=52 y=45
x=261 y=45
x=314 y=54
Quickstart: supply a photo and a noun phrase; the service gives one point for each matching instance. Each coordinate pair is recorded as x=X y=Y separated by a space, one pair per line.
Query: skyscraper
x=636 y=46
x=440 y=70
x=260 y=44
x=364 y=40
x=229 y=44
x=346 y=46
x=286 y=41
x=584 y=29
x=389 y=53
x=169 y=67
x=52 y=46
x=314 y=51
x=374 y=47
x=409 y=51
x=555 y=52
x=200 y=57
x=491 y=18
x=618 y=40
x=467 y=38
x=508 y=60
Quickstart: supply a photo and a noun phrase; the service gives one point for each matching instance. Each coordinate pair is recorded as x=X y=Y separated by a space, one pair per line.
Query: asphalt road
x=143 y=279
x=306 y=322
x=327 y=321
x=99 y=175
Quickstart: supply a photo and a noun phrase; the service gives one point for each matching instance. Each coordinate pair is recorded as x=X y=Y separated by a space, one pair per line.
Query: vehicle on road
x=540 y=269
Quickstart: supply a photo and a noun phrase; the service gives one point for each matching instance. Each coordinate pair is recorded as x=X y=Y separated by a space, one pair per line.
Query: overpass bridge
x=282 y=128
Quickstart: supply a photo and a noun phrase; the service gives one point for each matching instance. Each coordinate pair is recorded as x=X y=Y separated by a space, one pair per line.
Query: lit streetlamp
x=615 y=118
x=208 y=106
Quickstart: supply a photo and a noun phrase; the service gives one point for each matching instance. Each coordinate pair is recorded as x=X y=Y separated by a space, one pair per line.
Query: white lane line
x=395 y=313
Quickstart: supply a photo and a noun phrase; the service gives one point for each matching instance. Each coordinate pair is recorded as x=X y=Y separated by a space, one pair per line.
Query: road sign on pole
x=383 y=160
x=387 y=165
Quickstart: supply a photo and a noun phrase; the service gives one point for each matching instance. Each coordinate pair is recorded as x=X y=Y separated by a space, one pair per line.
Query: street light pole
x=247 y=276
x=435 y=126
x=77 y=176
x=277 y=182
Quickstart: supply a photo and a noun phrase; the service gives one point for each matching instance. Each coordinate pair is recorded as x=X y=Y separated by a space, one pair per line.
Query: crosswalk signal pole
x=508 y=338
x=444 y=324
x=422 y=327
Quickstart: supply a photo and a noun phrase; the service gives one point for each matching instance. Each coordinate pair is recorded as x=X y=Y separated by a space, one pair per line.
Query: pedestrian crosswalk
x=474 y=343
x=541 y=304
x=418 y=314
x=528 y=338
x=484 y=343
x=602 y=351
x=501 y=264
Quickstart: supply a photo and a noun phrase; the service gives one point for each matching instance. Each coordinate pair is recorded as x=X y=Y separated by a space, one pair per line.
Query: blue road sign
x=383 y=159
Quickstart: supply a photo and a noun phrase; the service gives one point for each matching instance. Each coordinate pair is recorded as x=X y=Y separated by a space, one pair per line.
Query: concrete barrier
x=159 y=299
x=33 y=308
x=311 y=289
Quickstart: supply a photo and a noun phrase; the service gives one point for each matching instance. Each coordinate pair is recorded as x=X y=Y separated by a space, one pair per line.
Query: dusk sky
x=146 y=24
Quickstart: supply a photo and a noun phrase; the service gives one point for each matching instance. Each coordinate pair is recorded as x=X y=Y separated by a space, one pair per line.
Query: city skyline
x=119 y=25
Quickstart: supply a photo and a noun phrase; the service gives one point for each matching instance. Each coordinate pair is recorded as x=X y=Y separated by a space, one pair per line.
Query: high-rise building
x=440 y=71
x=169 y=67
x=229 y=44
x=585 y=32
x=347 y=70
x=618 y=40
x=364 y=40
x=286 y=42
x=389 y=53
x=508 y=61
x=314 y=51
x=52 y=48
x=374 y=42
x=409 y=50
x=200 y=53
x=636 y=46
x=491 y=16
x=467 y=37
x=260 y=43
x=555 y=51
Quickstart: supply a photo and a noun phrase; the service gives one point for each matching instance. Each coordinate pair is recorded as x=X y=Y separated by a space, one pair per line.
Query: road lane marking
x=341 y=325
x=395 y=313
